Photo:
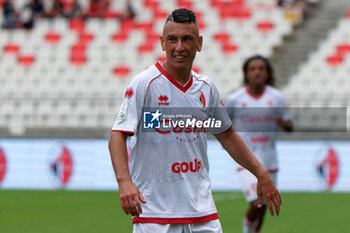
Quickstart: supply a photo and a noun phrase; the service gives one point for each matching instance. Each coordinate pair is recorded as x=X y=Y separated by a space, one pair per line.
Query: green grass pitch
x=86 y=211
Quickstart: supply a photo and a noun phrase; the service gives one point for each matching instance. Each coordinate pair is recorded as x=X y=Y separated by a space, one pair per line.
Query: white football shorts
x=249 y=183
x=213 y=226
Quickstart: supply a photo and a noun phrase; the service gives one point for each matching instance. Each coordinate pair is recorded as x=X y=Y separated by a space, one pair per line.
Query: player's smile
x=179 y=57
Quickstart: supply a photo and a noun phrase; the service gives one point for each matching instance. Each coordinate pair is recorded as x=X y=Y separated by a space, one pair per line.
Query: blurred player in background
x=167 y=188
x=258 y=111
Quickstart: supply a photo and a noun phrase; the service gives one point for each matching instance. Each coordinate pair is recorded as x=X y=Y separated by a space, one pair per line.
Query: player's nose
x=179 y=46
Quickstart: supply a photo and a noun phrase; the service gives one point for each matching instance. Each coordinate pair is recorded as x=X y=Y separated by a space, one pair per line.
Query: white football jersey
x=254 y=118
x=170 y=165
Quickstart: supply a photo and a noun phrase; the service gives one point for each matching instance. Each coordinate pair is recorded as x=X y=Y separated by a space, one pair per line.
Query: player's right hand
x=130 y=198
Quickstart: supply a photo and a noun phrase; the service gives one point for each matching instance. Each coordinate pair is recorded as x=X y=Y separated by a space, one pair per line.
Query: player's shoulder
x=274 y=91
x=146 y=76
x=203 y=78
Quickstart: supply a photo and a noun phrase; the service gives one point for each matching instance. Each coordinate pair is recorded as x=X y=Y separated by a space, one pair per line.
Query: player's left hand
x=284 y=125
x=280 y=122
x=267 y=191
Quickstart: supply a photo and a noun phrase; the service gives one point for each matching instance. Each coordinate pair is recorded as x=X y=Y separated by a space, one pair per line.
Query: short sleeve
x=283 y=109
x=129 y=114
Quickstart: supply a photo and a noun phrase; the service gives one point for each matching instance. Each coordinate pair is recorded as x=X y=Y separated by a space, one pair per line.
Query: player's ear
x=162 y=42
x=200 y=43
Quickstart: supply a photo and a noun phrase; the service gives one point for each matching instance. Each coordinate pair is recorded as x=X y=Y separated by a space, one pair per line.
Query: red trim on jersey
x=173 y=81
x=272 y=171
x=176 y=220
x=253 y=96
x=123 y=131
x=144 y=99
x=203 y=81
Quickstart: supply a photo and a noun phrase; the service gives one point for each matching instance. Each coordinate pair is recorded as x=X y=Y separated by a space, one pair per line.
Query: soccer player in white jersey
x=166 y=186
x=258 y=111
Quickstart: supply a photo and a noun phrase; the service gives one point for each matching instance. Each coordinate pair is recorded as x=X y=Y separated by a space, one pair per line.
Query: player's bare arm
x=266 y=189
x=129 y=195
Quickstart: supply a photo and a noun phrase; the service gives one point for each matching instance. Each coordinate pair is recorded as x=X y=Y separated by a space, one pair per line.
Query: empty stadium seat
x=64 y=64
x=326 y=73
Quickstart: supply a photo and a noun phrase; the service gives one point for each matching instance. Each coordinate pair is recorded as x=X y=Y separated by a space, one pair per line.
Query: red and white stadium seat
x=73 y=73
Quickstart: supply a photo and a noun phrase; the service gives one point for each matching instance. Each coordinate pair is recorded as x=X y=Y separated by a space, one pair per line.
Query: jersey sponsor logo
x=328 y=168
x=163 y=100
x=61 y=166
x=180 y=129
x=250 y=119
x=263 y=139
x=188 y=126
x=151 y=120
x=202 y=99
x=2 y=165
x=129 y=93
x=185 y=167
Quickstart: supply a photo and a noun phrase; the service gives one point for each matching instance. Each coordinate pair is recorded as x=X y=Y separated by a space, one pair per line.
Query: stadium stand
x=66 y=76
x=322 y=81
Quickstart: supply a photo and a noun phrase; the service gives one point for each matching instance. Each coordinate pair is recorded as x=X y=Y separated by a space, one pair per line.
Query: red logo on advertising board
x=129 y=93
x=2 y=165
x=62 y=166
x=163 y=100
x=328 y=168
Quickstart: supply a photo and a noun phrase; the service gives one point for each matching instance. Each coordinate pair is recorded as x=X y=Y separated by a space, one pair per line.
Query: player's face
x=181 y=42
x=257 y=74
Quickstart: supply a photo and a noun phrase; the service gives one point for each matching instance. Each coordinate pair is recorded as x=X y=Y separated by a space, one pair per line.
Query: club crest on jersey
x=202 y=99
x=163 y=100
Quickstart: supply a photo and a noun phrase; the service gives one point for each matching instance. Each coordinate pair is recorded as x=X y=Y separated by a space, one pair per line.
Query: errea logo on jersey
x=163 y=100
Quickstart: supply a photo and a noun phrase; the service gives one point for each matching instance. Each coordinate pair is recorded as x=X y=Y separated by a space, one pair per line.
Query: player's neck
x=256 y=90
x=180 y=75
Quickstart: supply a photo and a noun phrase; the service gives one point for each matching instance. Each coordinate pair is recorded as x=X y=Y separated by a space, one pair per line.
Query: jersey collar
x=183 y=88
x=253 y=96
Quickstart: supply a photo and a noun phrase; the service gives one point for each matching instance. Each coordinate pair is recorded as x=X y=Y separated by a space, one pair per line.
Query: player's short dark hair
x=270 y=71
x=182 y=15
